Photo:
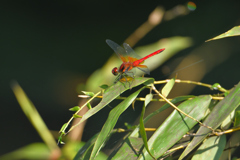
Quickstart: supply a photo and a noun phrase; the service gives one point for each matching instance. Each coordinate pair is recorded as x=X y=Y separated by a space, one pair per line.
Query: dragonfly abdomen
x=135 y=63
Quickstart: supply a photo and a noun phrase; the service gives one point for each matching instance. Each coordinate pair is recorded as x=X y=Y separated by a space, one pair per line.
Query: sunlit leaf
x=234 y=140
x=113 y=92
x=176 y=125
x=91 y=94
x=237 y=119
x=63 y=127
x=129 y=150
x=215 y=118
x=76 y=116
x=132 y=144
x=89 y=106
x=104 y=86
x=166 y=106
x=212 y=148
x=235 y=31
x=111 y=122
x=228 y=121
x=168 y=87
x=29 y=152
x=76 y=108
x=85 y=151
x=141 y=124
x=34 y=117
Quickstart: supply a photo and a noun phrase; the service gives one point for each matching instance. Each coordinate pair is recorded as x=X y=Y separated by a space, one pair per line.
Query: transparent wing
x=121 y=53
x=130 y=51
x=144 y=68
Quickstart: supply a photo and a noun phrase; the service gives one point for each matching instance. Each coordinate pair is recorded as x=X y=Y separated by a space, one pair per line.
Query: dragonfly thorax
x=115 y=71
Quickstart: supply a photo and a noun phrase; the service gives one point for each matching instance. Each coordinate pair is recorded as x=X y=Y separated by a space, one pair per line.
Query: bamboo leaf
x=132 y=144
x=168 y=87
x=176 y=125
x=113 y=92
x=111 y=121
x=76 y=108
x=212 y=148
x=235 y=31
x=141 y=124
x=215 y=118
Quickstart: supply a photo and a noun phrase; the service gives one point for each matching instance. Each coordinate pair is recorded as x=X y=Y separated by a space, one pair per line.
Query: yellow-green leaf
x=235 y=31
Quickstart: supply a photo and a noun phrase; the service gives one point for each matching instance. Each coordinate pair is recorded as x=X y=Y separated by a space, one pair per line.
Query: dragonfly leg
x=130 y=74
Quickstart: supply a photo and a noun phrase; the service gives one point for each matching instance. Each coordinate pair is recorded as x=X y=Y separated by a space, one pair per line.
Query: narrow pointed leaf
x=235 y=31
x=168 y=87
x=237 y=119
x=34 y=117
x=104 y=86
x=129 y=150
x=176 y=125
x=132 y=144
x=141 y=124
x=28 y=152
x=212 y=148
x=228 y=121
x=89 y=106
x=215 y=118
x=63 y=128
x=76 y=116
x=166 y=106
x=234 y=140
x=113 y=92
x=91 y=94
x=76 y=108
x=111 y=121
x=85 y=151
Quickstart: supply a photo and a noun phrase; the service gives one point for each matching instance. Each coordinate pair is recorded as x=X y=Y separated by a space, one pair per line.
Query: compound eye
x=115 y=71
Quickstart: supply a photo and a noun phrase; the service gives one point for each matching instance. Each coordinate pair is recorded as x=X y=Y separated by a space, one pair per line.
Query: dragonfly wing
x=121 y=53
x=132 y=72
x=144 y=68
x=130 y=51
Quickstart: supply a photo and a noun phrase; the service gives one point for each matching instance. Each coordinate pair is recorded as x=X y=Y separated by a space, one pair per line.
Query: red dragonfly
x=130 y=60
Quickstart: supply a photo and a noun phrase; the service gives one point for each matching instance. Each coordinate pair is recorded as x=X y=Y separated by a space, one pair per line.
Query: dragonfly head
x=115 y=71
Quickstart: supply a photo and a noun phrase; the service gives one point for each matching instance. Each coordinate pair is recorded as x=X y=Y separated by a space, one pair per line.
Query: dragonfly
x=130 y=60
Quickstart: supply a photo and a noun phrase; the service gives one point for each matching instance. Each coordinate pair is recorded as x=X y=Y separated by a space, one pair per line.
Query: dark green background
x=51 y=46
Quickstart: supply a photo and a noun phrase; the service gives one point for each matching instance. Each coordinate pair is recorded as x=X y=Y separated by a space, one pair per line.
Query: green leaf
x=228 y=121
x=89 y=106
x=166 y=106
x=215 y=118
x=91 y=94
x=141 y=124
x=148 y=99
x=111 y=121
x=34 y=117
x=130 y=149
x=176 y=125
x=76 y=116
x=29 y=152
x=85 y=151
x=132 y=144
x=234 y=140
x=235 y=31
x=237 y=119
x=168 y=87
x=113 y=92
x=63 y=128
x=76 y=108
x=212 y=148
x=104 y=86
